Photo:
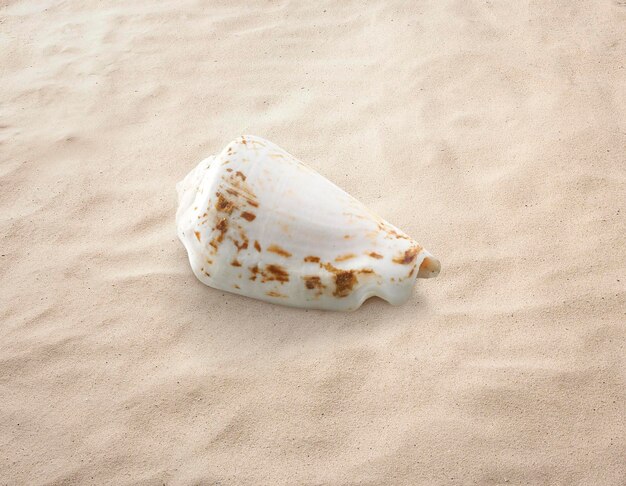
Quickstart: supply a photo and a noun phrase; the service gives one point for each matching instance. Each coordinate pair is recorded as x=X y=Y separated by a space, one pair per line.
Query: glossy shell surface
x=257 y=222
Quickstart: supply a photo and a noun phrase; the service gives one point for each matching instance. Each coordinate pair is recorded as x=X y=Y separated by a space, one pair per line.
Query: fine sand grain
x=493 y=132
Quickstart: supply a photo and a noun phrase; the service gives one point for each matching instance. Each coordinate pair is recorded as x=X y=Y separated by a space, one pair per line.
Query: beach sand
x=494 y=133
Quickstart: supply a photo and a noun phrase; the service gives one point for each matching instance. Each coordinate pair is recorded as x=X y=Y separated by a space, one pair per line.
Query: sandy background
x=493 y=133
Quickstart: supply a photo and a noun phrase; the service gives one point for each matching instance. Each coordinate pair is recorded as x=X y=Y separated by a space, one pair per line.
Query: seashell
x=257 y=222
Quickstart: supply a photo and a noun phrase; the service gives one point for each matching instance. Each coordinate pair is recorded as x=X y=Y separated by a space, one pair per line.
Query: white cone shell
x=257 y=222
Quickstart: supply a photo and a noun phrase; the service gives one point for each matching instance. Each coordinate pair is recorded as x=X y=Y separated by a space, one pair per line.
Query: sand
x=492 y=132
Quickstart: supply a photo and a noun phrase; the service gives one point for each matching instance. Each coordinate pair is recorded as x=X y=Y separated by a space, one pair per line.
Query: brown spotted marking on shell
x=244 y=241
x=237 y=186
x=239 y=194
x=257 y=246
x=270 y=273
x=275 y=272
x=197 y=233
x=391 y=232
x=345 y=280
x=279 y=251
x=248 y=216
x=241 y=190
x=408 y=256
x=271 y=293
x=312 y=259
x=241 y=246
x=343 y=258
x=313 y=282
x=373 y=254
x=235 y=263
x=226 y=205
x=223 y=204
x=222 y=227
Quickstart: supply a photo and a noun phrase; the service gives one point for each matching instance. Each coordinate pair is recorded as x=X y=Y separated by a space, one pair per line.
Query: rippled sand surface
x=492 y=132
